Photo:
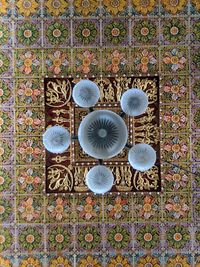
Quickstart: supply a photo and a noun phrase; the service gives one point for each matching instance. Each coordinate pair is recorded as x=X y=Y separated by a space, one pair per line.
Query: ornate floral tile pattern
x=57 y=37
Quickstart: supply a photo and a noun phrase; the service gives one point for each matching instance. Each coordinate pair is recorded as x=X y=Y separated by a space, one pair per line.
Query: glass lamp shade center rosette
x=102 y=134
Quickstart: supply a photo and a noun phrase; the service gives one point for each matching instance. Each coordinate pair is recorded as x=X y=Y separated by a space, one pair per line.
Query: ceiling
x=58 y=38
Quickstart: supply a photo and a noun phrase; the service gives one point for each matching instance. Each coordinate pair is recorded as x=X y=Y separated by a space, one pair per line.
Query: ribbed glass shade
x=142 y=157
x=56 y=139
x=86 y=93
x=102 y=134
x=99 y=179
x=134 y=102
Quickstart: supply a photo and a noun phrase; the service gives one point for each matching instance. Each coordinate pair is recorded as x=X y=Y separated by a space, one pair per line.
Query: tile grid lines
x=159 y=6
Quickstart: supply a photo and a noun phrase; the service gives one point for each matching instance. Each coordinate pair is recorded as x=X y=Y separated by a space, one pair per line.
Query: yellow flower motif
x=119 y=261
x=3 y=7
x=56 y=7
x=4 y=262
x=89 y=261
x=60 y=261
x=173 y=6
x=114 y=6
x=30 y=262
x=178 y=261
x=27 y=7
x=148 y=260
x=86 y=6
x=196 y=3
x=144 y=6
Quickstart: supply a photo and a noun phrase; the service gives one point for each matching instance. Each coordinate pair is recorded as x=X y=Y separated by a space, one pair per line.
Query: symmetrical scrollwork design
x=66 y=173
x=146 y=181
x=60 y=178
x=58 y=93
x=79 y=179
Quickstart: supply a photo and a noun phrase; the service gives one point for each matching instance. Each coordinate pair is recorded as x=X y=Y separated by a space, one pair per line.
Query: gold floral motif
x=109 y=93
x=102 y=83
x=60 y=120
x=123 y=176
x=148 y=86
x=147 y=180
x=58 y=112
x=27 y=7
x=196 y=3
x=58 y=93
x=59 y=159
x=114 y=6
x=144 y=6
x=60 y=178
x=147 y=133
x=56 y=7
x=86 y=6
x=3 y=7
x=174 y=6
x=79 y=176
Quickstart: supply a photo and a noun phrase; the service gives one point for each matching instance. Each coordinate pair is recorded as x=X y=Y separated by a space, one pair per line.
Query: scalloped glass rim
x=142 y=157
x=101 y=184
x=90 y=93
x=53 y=132
x=85 y=142
x=134 y=93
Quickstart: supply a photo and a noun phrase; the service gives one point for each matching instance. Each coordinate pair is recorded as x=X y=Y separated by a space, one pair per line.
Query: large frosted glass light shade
x=56 y=139
x=99 y=179
x=86 y=93
x=142 y=157
x=134 y=102
x=102 y=134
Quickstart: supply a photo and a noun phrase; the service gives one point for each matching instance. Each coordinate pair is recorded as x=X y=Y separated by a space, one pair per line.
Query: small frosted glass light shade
x=142 y=157
x=56 y=139
x=134 y=102
x=86 y=93
x=99 y=179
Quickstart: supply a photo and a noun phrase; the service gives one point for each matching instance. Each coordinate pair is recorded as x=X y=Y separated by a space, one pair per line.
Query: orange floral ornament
x=144 y=6
x=87 y=59
x=117 y=59
x=174 y=6
x=27 y=210
x=149 y=208
x=89 y=210
x=177 y=207
x=146 y=60
x=116 y=210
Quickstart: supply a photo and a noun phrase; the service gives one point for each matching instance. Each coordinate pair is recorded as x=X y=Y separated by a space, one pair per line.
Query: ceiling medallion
x=103 y=138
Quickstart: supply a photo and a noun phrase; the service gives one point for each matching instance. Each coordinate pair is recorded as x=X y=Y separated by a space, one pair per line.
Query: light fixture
x=134 y=102
x=103 y=134
x=142 y=157
x=99 y=179
x=56 y=139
